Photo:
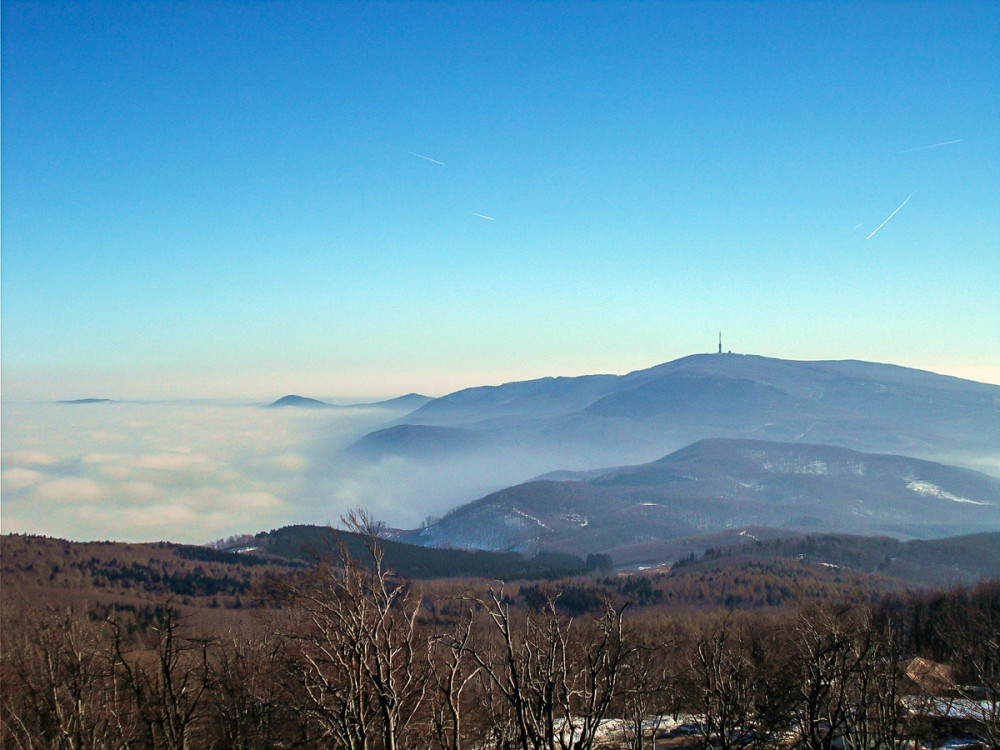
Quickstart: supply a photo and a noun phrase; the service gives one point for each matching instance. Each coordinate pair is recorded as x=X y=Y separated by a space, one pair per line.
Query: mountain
x=420 y=441
x=299 y=401
x=409 y=402
x=582 y=423
x=405 y=403
x=726 y=484
x=936 y=562
x=78 y=401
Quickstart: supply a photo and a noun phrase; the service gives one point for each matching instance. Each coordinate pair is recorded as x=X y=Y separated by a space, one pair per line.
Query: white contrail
x=933 y=145
x=482 y=216
x=427 y=158
x=413 y=153
x=890 y=216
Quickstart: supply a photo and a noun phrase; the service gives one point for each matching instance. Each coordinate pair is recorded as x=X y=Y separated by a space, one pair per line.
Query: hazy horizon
x=233 y=202
x=195 y=470
x=268 y=389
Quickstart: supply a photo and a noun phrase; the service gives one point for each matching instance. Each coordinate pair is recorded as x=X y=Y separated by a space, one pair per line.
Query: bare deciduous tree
x=452 y=672
x=249 y=695
x=166 y=679
x=57 y=686
x=875 y=705
x=557 y=683
x=649 y=689
x=825 y=650
x=724 y=674
x=362 y=666
x=973 y=633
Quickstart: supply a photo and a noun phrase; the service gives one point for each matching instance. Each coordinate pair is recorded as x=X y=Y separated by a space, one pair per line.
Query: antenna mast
x=720 y=342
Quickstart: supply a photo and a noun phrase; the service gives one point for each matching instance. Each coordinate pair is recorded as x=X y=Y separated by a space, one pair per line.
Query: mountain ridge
x=529 y=428
x=722 y=483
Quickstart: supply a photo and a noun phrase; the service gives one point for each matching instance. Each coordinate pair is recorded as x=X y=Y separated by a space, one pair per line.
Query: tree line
x=349 y=655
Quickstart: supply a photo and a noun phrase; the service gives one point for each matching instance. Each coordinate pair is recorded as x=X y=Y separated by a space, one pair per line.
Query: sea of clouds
x=180 y=471
x=199 y=471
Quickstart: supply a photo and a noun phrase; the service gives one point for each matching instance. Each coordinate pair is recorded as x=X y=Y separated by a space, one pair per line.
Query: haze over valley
x=460 y=246
x=184 y=471
x=196 y=471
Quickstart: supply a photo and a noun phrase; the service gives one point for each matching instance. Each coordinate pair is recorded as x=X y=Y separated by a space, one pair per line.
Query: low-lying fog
x=198 y=471
x=193 y=472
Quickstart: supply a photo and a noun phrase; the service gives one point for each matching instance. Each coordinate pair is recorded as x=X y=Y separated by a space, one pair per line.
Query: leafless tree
x=57 y=687
x=452 y=673
x=824 y=638
x=361 y=663
x=556 y=682
x=166 y=678
x=774 y=680
x=984 y=696
x=724 y=674
x=972 y=629
x=251 y=703
x=875 y=706
x=649 y=688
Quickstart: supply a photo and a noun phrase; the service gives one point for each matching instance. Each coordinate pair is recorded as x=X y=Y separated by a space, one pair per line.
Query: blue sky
x=250 y=199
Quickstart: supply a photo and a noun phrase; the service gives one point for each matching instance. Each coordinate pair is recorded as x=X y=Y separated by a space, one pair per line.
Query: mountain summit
x=600 y=420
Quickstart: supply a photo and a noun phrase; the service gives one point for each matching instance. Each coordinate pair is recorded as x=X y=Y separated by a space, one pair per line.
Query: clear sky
x=248 y=199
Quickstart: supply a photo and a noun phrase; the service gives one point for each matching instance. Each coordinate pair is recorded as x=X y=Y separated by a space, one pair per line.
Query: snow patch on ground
x=575 y=518
x=530 y=517
x=796 y=467
x=926 y=488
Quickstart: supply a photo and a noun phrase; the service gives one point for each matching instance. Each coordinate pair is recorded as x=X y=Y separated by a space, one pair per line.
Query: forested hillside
x=346 y=653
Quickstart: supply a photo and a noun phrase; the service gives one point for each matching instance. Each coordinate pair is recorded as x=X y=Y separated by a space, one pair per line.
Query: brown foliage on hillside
x=350 y=655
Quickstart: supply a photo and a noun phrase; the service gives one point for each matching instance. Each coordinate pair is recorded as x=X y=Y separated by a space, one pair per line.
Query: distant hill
x=582 y=423
x=218 y=587
x=721 y=485
x=56 y=572
x=420 y=441
x=299 y=401
x=311 y=543
x=765 y=572
x=408 y=402
x=60 y=572
x=405 y=403
x=937 y=562
x=87 y=401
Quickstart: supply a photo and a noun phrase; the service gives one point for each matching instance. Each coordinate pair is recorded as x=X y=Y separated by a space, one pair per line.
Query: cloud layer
x=188 y=472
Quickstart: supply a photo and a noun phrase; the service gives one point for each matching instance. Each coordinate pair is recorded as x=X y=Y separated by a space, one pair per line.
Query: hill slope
x=934 y=562
x=582 y=423
x=722 y=484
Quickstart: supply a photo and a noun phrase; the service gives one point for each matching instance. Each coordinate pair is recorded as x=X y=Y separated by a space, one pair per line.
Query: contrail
x=933 y=145
x=482 y=216
x=413 y=153
x=426 y=158
x=890 y=216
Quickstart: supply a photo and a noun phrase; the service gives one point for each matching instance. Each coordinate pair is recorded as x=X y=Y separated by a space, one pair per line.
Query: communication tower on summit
x=720 y=342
